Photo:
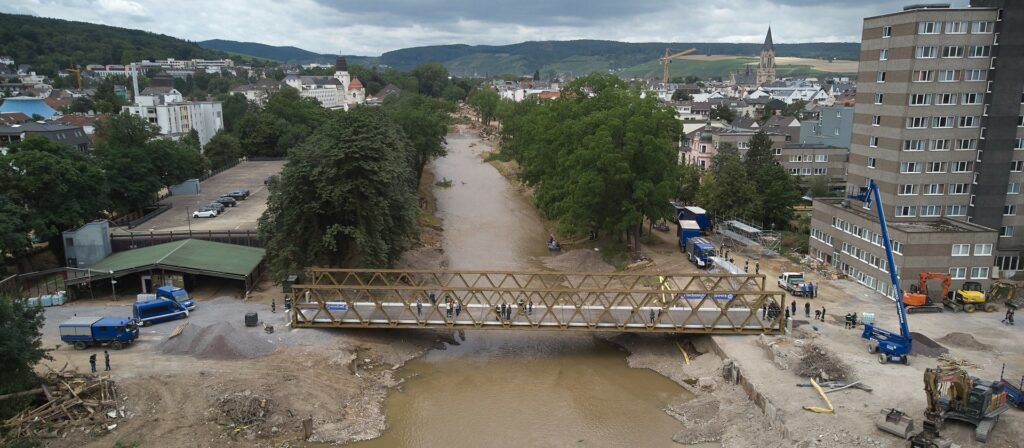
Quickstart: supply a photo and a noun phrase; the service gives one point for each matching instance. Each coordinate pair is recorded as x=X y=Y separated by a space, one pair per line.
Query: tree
x=536 y=75
x=759 y=157
x=453 y=93
x=57 y=187
x=689 y=183
x=818 y=186
x=796 y=109
x=235 y=107
x=680 y=95
x=222 y=150
x=191 y=141
x=22 y=348
x=424 y=122
x=81 y=105
x=485 y=102
x=431 y=78
x=106 y=100
x=726 y=191
x=598 y=162
x=14 y=229
x=724 y=152
x=777 y=191
x=723 y=112
x=346 y=197
x=284 y=122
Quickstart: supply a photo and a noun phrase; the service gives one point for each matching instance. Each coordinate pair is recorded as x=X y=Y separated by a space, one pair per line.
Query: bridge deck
x=698 y=303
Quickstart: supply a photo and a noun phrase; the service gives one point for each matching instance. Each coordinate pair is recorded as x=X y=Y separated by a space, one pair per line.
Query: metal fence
x=134 y=240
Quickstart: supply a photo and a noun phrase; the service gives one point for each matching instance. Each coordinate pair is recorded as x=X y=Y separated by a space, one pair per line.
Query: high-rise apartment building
x=938 y=126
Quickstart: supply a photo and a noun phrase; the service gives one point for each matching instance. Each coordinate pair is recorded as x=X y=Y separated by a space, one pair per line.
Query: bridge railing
x=688 y=303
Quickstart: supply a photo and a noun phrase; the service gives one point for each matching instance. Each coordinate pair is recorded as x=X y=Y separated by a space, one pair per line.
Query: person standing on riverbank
x=419 y=307
x=807 y=308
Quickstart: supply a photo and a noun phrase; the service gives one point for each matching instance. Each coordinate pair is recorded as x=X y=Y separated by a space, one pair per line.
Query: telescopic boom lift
x=891 y=347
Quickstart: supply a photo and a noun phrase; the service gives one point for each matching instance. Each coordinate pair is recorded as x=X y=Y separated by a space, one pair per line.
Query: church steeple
x=766 y=67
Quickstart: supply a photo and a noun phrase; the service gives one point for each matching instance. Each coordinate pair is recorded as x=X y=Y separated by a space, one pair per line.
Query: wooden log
x=22 y=393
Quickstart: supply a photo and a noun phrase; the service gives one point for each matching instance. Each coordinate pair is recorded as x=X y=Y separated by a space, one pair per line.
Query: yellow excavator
x=953 y=394
x=969 y=298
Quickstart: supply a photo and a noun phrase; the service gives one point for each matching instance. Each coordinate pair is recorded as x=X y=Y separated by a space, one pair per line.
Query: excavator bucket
x=895 y=422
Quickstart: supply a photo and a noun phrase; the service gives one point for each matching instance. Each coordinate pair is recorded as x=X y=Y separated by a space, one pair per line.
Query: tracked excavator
x=919 y=299
x=953 y=394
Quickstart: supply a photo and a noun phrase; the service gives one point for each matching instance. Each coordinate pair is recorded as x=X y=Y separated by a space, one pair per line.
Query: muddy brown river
x=517 y=388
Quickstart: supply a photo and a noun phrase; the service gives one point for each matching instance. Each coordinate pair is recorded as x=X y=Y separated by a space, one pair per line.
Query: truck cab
x=792 y=282
x=82 y=332
x=700 y=251
x=176 y=294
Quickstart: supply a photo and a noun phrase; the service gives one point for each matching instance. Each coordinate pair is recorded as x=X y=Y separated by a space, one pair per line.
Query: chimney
x=135 y=83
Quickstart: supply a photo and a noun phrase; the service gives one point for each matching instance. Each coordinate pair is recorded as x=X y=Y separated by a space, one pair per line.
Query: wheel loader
x=969 y=298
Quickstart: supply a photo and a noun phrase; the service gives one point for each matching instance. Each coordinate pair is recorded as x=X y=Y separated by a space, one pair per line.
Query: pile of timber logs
x=73 y=400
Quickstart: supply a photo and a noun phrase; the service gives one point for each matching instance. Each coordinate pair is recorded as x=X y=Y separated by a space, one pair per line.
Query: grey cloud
x=525 y=12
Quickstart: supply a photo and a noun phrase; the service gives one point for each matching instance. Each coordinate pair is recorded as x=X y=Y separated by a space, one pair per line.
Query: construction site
x=482 y=335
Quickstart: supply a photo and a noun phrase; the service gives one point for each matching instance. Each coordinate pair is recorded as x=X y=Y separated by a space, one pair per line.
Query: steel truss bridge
x=677 y=303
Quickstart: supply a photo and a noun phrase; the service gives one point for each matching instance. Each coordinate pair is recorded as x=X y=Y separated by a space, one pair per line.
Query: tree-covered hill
x=49 y=45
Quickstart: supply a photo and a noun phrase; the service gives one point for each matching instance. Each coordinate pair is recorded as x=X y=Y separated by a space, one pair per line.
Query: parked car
x=244 y=191
x=226 y=201
x=236 y=195
x=204 y=214
x=217 y=206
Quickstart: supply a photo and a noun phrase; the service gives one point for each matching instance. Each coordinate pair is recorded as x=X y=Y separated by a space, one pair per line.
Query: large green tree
x=432 y=78
x=222 y=150
x=485 y=102
x=346 y=197
x=283 y=123
x=726 y=191
x=600 y=157
x=425 y=123
x=777 y=191
x=21 y=348
x=689 y=183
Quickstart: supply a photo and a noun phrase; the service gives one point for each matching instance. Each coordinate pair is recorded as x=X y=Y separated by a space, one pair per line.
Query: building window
x=878 y=99
x=980 y=51
x=836 y=132
x=873 y=141
x=821 y=157
x=1013 y=188
x=920 y=99
x=1009 y=210
x=945 y=99
x=919 y=76
x=926 y=52
x=949 y=75
x=880 y=77
x=917 y=122
x=980 y=27
x=972 y=99
x=778 y=151
x=915 y=145
x=907 y=189
x=904 y=211
x=1017 y=166
x=942 y=122
x=972 y=122
x=819 y=171
x=975 y=74
x=886 y=31
x=935 y=167
x=1006 y=232
x=956 y=210
x=953 y=52
x=983 y=249
x=928 y=27
x=963 y=166
x=883 y=54
x=966 y=144
x=930 y=210
x=933 y=189
x=957 y=189
x=956 y=27
x=961 y=250
x=958 y=273
x=1020 y=121
x=940 y=145
x=872 y=163
x=979 y=273
x=910 y=167
x=876 y=120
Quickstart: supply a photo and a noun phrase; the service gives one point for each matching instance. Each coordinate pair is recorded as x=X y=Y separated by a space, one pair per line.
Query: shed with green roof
x=191 y=256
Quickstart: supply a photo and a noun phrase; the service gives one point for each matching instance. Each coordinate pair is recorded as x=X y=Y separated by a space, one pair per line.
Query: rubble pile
x=73 y=400
x=817 y=362
x=245 y=409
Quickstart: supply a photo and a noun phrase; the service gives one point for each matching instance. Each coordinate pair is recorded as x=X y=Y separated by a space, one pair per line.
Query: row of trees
x=49 y=188
x=600 y=157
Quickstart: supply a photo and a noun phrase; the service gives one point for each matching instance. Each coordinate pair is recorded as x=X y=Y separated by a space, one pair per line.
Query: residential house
x=787 y=126
x=9 y=118
x=29 y=106
x=72 y=136
x=834 y=127
x=166 y=108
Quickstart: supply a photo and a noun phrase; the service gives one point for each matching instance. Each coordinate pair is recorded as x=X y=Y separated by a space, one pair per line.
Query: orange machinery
x=918 y=301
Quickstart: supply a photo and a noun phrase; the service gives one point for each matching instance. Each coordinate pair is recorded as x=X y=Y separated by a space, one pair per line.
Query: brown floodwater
x=517 y=388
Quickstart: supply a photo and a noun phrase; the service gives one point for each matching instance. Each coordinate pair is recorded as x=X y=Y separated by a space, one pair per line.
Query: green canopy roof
x=192 y=256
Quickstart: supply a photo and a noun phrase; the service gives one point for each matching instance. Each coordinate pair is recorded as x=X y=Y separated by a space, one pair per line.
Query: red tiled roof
x=7 y=118
x=548 y=95
x=355 y=85
x=82 y=120
x=56 y=103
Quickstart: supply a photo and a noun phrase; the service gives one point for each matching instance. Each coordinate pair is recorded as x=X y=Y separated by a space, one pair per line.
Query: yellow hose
x=821 y=392
x=685 y=356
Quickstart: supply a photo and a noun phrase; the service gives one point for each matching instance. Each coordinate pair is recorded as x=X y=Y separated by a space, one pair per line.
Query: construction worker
x=746 y=266
x=757 y=267
x=273 y=306
x=106 y=360
x=652 y=316
x=419 y=306
x=807 y=308
x=287 y=302
x=92 y=362
x=823 y=314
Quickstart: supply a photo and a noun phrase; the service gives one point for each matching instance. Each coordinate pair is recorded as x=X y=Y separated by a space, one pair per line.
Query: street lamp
x=188 y=216
x=113 y=281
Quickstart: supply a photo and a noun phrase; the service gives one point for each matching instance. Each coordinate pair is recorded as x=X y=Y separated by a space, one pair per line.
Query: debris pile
x=925 y=346
x=964 y=340
x=817 y=362
x=701 y=416
x=245 y=409
x=218 y=341
x=72 y=401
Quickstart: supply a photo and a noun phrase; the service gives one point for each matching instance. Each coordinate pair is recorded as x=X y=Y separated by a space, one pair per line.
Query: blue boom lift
x=891 y=347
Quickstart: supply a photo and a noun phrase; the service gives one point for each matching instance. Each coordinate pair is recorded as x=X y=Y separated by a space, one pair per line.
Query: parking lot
x=241 y=217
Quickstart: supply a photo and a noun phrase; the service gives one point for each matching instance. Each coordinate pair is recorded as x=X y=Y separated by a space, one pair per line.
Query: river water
x=517 y=388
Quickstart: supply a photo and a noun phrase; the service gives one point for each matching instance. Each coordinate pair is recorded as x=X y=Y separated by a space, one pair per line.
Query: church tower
x=766 y=68
x=341 y=73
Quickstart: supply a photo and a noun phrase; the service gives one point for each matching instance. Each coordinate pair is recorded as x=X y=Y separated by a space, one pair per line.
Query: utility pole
x=113 y=289
x=188 y=217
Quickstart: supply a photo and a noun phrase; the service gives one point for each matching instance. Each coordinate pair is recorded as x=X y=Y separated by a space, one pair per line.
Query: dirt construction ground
x=988 y=347
x=243 y=216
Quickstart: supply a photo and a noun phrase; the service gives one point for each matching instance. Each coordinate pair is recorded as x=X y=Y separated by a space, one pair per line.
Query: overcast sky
x=370 y=27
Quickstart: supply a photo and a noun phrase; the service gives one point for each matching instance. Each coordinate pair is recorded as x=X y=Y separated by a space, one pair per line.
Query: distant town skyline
x=371 y=28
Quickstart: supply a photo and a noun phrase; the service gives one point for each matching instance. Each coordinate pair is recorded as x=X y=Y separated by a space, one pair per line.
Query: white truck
x=793 y=282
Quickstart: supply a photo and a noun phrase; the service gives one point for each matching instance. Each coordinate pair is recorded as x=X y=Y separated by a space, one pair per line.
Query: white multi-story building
x=337 y=92
x=166 y=108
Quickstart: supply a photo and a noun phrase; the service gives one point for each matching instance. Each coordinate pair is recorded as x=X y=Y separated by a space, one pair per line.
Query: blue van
x=176 y=294
x=159 y=310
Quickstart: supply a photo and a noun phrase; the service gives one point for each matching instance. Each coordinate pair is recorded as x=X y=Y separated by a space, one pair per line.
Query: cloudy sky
x=369 y=27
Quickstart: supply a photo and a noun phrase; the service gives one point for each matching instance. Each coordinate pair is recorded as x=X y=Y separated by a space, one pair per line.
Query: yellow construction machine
x=969 y=298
